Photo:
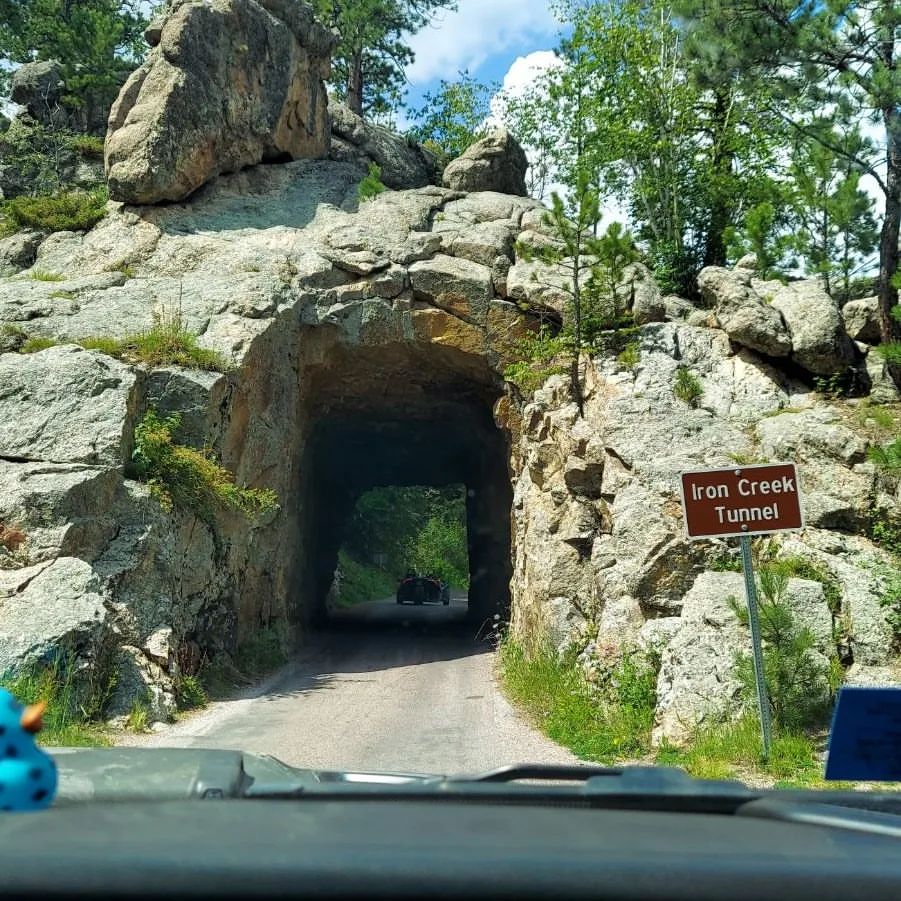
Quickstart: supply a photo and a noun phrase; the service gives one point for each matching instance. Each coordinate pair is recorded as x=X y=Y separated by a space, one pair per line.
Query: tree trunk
x=355 y=83
x=891 y=225
x=721 y=206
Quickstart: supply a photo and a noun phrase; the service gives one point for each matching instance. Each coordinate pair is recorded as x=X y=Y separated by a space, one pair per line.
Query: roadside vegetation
x=76 y=700
x=606 y=715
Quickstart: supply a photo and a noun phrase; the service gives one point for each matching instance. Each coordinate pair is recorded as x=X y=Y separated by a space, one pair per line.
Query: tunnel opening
x=402 y=416
x=405 y=544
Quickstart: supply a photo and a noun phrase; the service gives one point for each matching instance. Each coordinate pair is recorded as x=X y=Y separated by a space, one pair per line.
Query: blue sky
x=484 y=36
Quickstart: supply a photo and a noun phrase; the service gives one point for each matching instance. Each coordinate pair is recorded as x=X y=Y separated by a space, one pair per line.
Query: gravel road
x=384 y=688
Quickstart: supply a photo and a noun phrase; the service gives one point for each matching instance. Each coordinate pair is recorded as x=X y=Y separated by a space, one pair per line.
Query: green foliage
x=887 y=457
x=597 y=723
x=439 y=548
x=393 y=530
x=189 y=478
x=835 y=229
x=37 y=343
x=839 y=384
x=371 y=186
x=798 y=687
x=87 y=145
x=95 y=40
x=540 y=355
x=687 y=386
x=373 y=50
x=67 y=211
x=763 y=233
x=885 y=530
x=138 y=718
x=890 y=351
x=891 y=602
x=451 y=119
x=167 y=343
x=261 y=652
x=362 y=582
x=190 y=692
x=732 y=750
x=74 y=705
x=630 y=356
x=41 y=275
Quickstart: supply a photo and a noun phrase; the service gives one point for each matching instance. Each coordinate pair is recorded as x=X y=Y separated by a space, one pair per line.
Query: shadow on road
x=375 y=637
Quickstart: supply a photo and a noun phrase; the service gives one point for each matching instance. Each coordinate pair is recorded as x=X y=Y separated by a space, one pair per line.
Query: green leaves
x=451 y=118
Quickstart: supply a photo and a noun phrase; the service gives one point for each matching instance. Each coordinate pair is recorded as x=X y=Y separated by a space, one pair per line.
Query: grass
x=139 y=716
x=66 y=211
x=37 y=343
x=41 y=275
x=191 y=478
x=63 y=295
x=167 y=343
x=687 y=387
x=743 y=459
x=72 y=717
x=557 y=697
x=259 y=654
x=361 y=582
x=87 y=145
x=614 y=727
x=630 y=356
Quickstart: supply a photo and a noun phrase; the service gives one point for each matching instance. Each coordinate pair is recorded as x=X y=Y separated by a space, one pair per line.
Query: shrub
x=190 y=478
x=87 y=145
x=797 y=685
x=630 y=355
x=371 y=186
x=190 y=692
x=67 y=211
x=541 y=355
x=887 y=457
x=687 y=387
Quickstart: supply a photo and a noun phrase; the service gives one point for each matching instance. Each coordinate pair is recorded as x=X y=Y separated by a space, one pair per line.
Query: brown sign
x=742 y=500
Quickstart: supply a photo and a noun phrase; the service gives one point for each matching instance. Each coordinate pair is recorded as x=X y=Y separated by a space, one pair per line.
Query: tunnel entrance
x=403 y=415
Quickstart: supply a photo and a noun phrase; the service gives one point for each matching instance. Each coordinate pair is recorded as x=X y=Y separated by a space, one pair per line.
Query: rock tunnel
x=403 y=414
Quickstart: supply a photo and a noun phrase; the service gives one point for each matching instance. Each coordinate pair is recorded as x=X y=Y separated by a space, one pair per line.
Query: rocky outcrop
x=494 y=163
x=402 y=163
x=862 y=319
x=230 y=84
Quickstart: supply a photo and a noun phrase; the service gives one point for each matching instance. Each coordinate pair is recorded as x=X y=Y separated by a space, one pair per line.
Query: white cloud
x=478 y=30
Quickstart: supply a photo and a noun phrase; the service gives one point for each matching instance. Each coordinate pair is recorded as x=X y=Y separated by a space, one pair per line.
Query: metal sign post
x=738 y=503
x=763 y=700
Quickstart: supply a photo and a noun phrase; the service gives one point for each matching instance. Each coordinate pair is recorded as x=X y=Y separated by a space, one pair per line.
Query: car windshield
x=429 y=387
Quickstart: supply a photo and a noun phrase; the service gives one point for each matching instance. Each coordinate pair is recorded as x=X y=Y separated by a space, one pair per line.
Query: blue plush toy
x=27 y=774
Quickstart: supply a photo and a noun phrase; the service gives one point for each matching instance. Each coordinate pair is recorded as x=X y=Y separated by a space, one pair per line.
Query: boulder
x=494 y=163
x=643 y=296
x=460 y=287
x=65 y=405
x=38 y=87
x=403 y=164
x=18 y=251
x=819 y=341
x=741 y=313
x=862 y=319
x=231 y=83
x=678 y=308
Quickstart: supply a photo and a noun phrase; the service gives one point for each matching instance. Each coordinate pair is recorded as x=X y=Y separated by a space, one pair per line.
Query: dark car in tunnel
x=422 y=590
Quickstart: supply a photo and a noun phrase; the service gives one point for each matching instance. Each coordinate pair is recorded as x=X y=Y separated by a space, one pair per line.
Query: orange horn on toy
x=31 y=717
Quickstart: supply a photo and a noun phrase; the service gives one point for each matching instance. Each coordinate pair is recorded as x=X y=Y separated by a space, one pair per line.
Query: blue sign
x=865 y=742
